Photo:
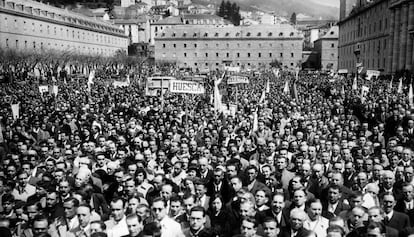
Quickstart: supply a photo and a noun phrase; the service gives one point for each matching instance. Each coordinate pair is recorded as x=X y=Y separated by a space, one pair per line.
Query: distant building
x=27 y=25
x=137 y=29
x=378 y=34
x=346 y=7
x=326 y=48
x=247 y=46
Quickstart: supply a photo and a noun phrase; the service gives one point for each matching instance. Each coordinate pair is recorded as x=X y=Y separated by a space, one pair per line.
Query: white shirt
x=117 y=229
x=409 y=205
x=170 y=228
x=332 y=207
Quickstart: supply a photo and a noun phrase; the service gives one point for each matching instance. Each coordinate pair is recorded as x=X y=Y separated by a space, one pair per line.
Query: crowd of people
x=108 y=161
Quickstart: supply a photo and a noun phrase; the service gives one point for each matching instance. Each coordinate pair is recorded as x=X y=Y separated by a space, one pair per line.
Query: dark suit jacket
x=395 y=190
x=284 y=221
x=339 y=208
x=398 y=221
x=361 y=231
x=286 y=232
x=400 y=207
x=225 y=190
x=208 y=178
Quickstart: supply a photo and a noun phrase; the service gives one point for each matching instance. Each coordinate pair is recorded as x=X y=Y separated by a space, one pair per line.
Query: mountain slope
x=286 y=7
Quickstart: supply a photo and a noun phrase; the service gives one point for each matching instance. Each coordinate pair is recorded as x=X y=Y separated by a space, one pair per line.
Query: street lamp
x=357 y=52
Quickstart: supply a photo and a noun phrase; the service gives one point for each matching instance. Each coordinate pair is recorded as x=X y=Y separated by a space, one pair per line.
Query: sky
x=331 y=3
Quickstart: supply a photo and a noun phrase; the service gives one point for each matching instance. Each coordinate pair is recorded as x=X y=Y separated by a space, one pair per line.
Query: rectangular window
x=248 y=55
x=206 y=55
x=217 y=55
x=292 y=55
x=163 y=45
x=185 y=45
x=174 y=45
x=270 y=55
x=259 y=55
x=185 y=55
x=281 y=55
x=195 y=45
x=238 y=55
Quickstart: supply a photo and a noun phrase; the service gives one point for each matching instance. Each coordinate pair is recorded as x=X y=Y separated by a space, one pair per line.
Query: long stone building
x=27 y=25
x=378 y=34
x=246 y=46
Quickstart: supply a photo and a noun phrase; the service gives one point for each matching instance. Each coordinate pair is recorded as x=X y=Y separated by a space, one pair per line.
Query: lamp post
x=357 y=52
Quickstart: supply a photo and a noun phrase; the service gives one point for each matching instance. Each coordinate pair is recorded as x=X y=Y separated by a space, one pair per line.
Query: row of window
x=375 y=47
x=78 y=34
x=371 y=63
x=227 y=55
x=249 y=45
x=41 y=45
x=227 y=34
x=356 y=28
x=237 y=64
x=44 y=13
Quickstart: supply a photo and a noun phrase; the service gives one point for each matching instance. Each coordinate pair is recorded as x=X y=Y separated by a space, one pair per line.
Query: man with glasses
x=169 y=227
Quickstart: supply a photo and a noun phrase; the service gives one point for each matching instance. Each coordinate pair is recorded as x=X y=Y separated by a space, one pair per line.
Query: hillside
x=285 y=7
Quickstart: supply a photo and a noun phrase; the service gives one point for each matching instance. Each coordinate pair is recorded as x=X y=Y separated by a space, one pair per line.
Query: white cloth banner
x=43 y=89
x=15 y=111
x=120 y=84
x=232 y=69
x=237 y=80
x=233 y=109
x=55 y=90
x=188 y=87
x=371 y=73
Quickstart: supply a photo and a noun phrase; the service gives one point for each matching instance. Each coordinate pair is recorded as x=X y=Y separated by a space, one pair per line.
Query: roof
x=201 y=16
x=171 y=20
x=333 y=33
x=206 y=31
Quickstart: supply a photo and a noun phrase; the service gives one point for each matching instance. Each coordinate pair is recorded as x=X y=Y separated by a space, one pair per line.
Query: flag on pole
x=355 y=83
x=390 y=86
x=262 y=97
x=286 y=88
x=400 y=86
x=255 y=121
x=267 y=86
x=217 y=97
x=295 y=91
x=410 y=95
x=364 y=92
x=90 y=79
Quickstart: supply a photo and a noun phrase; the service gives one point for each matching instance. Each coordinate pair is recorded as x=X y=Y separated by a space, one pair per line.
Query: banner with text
x=372 y=73
x=237 y=80
x=188 y=87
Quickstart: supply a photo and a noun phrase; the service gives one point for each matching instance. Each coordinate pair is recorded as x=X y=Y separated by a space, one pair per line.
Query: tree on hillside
x=293 y=18
x=230 y=11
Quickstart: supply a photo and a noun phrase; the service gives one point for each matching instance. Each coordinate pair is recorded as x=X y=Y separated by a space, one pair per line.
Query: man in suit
x=297 y=219
x=388 y=185
x=334 y=205
x=205 y=173
x=218 y=185
x=375 y=214
x=84 y=215
x=282 y=172
x=253 y=184
x=394 y=219
x=278 y=211
x=406 y=204
x=316 y=222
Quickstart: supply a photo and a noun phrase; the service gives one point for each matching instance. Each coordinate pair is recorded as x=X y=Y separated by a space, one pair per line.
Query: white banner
x=371 y=73
x=15 y=111
x=55 y=90
x=237 y=80
x=232 y=69
x=189 y=87
x=120 y=84
x=233 y=109
x=43 y=89
x=343 y=71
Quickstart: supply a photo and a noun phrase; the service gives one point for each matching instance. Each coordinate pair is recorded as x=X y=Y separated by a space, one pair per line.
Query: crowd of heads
x=321 y=161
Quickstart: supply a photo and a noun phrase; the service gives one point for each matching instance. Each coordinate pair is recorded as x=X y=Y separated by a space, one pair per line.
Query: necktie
x=386 y=219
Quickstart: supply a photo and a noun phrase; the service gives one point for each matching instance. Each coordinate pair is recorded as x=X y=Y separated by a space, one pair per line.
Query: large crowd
x=319 y=160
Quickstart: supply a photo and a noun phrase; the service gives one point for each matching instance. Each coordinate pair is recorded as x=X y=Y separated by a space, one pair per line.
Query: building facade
x=326 y=48
x=32 y=26
x=402 y=36
x=378 y=34
x=245 y=46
